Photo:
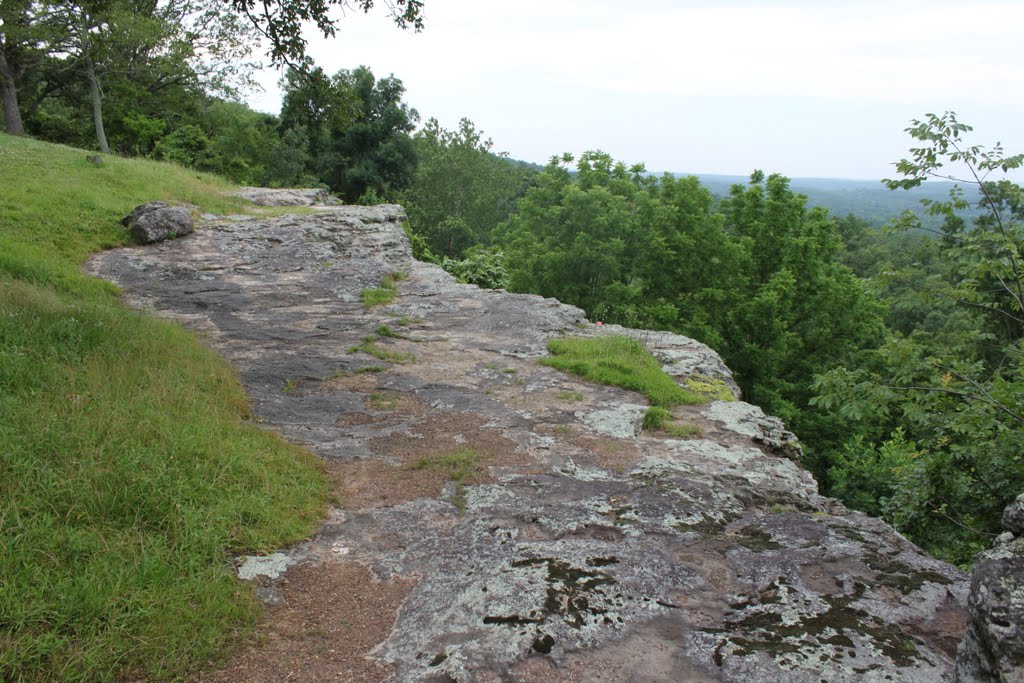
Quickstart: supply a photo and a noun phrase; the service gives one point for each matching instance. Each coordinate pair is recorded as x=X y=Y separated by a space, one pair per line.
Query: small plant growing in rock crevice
x=385 y=293
x=369 y=346
x=291 y=385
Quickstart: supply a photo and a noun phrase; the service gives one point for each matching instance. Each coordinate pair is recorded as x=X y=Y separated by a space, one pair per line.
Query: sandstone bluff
x=585 y=549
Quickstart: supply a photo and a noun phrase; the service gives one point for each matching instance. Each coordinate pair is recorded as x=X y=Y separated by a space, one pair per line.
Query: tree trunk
x=9 y=93
x=97 y=105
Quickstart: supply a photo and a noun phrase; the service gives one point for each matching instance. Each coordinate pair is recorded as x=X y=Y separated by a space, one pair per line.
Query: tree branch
x=961 y=394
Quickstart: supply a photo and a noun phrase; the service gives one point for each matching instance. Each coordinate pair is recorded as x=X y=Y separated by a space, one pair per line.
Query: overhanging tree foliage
x=941 y=410
x=281 y=21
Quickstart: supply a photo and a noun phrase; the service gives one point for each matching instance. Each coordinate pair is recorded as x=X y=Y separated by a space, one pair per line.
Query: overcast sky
x=799 y=87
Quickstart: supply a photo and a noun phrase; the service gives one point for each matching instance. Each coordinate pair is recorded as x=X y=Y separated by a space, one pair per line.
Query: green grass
x=408 y=321
x=685 y=430
x=385 y=293
x=128 y=473
x=361 y=371
x=621 y=362
x=656 y=418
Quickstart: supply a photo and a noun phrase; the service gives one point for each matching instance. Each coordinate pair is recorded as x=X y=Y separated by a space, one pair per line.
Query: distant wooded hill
x=868 y=200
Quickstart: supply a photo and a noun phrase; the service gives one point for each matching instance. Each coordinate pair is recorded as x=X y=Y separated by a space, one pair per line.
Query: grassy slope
x=127 y=474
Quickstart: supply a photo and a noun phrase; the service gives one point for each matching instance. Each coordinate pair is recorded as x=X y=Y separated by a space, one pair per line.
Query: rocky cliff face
x=993 y=647
x=498 y=520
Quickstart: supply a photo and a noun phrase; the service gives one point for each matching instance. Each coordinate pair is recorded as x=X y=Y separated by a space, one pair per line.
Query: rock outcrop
x=993 y=648
x=510 y=522
x=157 y=221
x=264 y=196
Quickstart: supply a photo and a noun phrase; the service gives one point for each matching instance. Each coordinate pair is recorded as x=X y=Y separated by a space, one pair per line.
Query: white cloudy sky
x=800 y=87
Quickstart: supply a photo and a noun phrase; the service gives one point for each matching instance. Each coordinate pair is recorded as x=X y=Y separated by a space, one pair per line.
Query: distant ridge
x=868 y=200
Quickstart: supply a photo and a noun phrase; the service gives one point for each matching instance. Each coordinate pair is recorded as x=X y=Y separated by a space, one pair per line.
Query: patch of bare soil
x=334 y=614
x=370 y=483
x=367 y=484
x=438 y=433
x=603 y=451
x=648 y=654
x=364 y=381
x=350 y=419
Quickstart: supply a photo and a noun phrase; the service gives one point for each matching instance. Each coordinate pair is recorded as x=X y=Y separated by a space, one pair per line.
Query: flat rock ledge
x=581 y=548
x=264 y=196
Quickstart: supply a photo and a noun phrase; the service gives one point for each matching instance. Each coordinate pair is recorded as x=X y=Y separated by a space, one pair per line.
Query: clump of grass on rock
x=385 y=293
x=621 y=362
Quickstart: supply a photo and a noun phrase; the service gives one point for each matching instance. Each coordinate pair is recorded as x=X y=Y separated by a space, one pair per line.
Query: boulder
x=156 y=222
x=1013 y=516
x=992 y=650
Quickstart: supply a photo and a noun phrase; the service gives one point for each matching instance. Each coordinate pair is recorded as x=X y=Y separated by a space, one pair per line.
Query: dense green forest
x=890 y=342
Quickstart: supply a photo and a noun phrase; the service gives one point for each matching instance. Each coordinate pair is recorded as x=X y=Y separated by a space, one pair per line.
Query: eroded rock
x=562 y=552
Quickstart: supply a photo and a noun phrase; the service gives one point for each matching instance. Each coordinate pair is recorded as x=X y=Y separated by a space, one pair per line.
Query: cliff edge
x=499 y=520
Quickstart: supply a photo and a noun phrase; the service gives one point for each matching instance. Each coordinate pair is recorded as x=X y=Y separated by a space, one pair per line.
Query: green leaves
x=461 y=190
x=939 y=408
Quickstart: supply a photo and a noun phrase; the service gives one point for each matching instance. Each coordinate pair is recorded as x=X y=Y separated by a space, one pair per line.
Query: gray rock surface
x=622 y=420
x=574 y=555
x=749 y=420
x=992 y=650
x=264 y=196
x=156 y=221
